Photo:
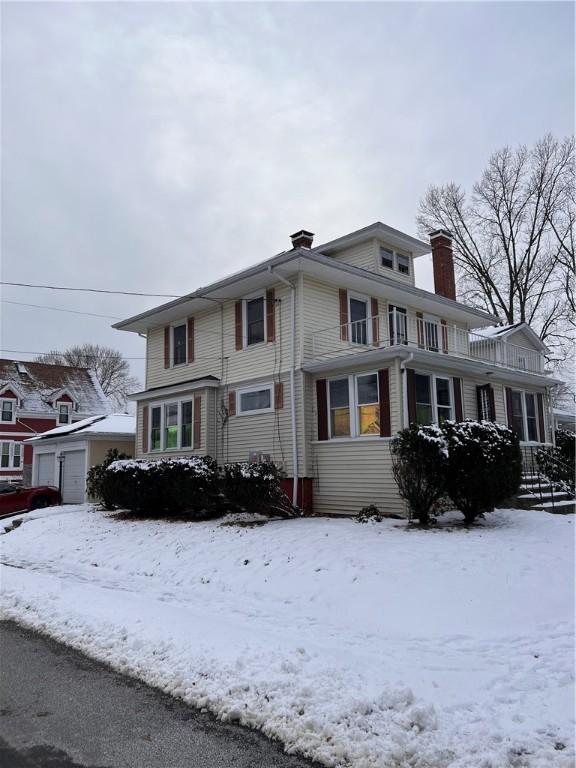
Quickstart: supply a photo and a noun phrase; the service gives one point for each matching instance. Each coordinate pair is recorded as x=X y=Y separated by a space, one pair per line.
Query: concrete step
x=567 y=507
x=556 y=495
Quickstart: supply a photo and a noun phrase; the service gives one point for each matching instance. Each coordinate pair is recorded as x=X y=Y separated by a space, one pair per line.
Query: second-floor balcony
x=398 y=328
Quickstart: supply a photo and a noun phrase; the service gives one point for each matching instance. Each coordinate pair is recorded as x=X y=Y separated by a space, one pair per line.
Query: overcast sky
x=158 y=147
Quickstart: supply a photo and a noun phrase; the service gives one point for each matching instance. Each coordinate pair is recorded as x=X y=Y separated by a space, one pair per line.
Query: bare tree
x=111 y=368
x=514 y=237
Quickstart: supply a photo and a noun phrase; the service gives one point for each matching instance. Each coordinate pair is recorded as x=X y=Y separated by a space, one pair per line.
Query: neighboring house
x=63 y=456
x=36 y=397
x=319 y=355
x=565 y=420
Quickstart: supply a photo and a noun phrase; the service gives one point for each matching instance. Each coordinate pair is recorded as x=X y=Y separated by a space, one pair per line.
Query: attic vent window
x=22 y=369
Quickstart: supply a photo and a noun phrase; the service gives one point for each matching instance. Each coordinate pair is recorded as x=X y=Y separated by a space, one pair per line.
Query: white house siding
x=351 y=474
x=238 y=365
x=367 y=256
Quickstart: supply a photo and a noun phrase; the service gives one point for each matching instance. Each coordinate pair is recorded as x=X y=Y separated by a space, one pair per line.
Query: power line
x=106 y=357
x=60 y=309
x=94 y=290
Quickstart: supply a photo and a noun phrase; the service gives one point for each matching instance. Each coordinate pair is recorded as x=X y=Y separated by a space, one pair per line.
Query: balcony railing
x=400 y=329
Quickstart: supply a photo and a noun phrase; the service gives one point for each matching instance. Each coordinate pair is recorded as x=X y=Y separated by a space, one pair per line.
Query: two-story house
x=318 y=356
x=36 y=397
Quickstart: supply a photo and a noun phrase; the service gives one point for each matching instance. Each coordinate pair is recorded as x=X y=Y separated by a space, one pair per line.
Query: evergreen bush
x=369 y=514
x=483 y=467
x=164 y=487
x=255 y=488
x=96 y=474
x=419 y=456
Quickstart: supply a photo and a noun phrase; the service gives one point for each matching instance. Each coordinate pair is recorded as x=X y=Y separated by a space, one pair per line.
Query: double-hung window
x=359 y=326
x=255 y=320
x=171 y=425
x=354 y=406
x=8 y=410
x=394 y=260
x=255 y=400
x=398 y=325
x=386 y=257
x=403 y=264
x=434 y=403
x=524 y=415
x=63 y=413
x=10 y=455
x=179 y=344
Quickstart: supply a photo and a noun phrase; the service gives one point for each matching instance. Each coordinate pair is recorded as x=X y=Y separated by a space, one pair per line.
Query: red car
x=17 y=498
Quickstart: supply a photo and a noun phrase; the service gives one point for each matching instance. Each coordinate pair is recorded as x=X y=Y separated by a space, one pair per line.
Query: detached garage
x=63 y=456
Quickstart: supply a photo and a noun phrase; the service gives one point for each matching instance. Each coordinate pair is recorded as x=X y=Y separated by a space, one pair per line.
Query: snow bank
x=363 y=646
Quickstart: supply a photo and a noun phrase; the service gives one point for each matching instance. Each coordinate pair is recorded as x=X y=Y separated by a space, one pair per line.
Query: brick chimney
x=302 y=239
x=443 y=263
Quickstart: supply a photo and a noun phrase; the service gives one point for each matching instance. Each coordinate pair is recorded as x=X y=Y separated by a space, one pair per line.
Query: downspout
x=405 y=416
x=292 y=384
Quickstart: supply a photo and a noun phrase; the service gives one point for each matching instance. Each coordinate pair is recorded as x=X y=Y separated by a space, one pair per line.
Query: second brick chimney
x=443 y=263
x=302 y=239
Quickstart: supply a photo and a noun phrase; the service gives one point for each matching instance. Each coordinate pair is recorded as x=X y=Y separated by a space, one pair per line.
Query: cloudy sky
x=156 y=147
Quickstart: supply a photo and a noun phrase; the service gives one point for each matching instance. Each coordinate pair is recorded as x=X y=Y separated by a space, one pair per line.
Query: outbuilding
x=63 y=456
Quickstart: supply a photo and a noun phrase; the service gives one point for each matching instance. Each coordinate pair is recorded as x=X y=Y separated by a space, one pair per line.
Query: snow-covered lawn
x=361 y=645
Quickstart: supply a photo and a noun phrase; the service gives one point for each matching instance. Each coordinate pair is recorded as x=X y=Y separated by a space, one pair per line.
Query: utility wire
x=94 y=290
x=59 y=309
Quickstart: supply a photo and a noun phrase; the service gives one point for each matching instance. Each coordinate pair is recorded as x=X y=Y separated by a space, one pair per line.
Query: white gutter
x=292 y=384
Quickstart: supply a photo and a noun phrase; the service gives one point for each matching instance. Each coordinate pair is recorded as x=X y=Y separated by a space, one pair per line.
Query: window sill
x=259 y=412
x=363 y=439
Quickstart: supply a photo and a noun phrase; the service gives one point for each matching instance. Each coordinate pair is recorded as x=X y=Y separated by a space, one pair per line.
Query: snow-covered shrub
x=483 y=467
x=164 y=486
x=96 y=474
x=558 y=463
x=255 y=488
x=419 y=455
x=369 y=514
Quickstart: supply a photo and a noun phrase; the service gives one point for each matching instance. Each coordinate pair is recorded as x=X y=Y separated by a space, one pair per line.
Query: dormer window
x=403 y=264
x=64 y=413
x=8 y=410
x=387 y=258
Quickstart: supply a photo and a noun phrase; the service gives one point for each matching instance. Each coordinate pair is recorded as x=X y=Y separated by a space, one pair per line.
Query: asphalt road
x=59 y=709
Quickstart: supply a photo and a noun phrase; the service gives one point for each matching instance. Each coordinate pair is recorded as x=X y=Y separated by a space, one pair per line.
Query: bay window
x=354 y=406
x=171 y=425
x=434 y=403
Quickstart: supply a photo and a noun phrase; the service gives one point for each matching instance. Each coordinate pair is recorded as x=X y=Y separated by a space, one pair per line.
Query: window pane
x=17 y=455
x=530 y=406
x=518 y=414
x=358 y=315
x=340 y=422
x=171 y=426
x=155 y=429
x=386 y=258
x=423 y=399
x=369 y=419
x=187 y=424
x=255 y=320
x=339 y=393
x=64 y=414
x=7 y=411
x=179 y=344
x=532 y=428
x=443 y=392
x=403 y=264
x=423 y=413
x=255 y=401
x=367 y=388
x=5 y=455
x=444 y=414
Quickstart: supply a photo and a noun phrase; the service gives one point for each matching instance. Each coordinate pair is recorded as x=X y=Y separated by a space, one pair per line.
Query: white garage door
x=46 y=468
x=74 y=477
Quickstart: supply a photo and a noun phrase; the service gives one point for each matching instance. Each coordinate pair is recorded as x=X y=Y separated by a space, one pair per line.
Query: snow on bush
x=164 y=486
x=255 y=488
x=558 y=463
x=418 y=457
x=483 y=467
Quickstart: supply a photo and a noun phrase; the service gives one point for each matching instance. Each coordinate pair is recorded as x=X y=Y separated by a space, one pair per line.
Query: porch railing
x=399 y=329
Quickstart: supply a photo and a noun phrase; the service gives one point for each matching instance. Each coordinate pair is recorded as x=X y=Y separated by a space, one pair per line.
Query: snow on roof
x=112 y=424
x=39 y=383
x=495 y=330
